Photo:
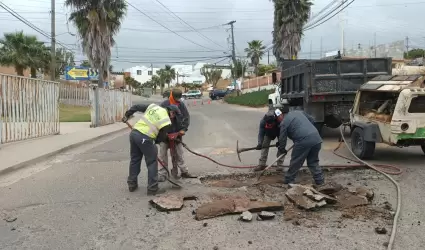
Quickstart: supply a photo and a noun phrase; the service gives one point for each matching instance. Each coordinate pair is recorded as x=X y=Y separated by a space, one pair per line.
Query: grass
x=70 y=113
x=253 y=99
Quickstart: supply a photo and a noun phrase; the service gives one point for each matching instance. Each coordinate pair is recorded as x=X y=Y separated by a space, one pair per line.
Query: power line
x=22 y=19
x=312 y=27
x=190 y=26
x=326 y=15
x=323 y=10
x=187 y=39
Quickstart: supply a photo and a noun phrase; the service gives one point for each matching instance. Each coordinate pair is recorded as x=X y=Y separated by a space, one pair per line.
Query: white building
x=142 y=74
x=192 y=73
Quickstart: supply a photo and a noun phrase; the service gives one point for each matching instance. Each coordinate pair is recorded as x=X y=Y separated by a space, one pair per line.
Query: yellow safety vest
x=154 y=119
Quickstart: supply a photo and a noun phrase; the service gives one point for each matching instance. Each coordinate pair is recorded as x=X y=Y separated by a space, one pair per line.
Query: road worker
x=268 y=131
x=181 y=122
x=299 y=127
x=151 y=129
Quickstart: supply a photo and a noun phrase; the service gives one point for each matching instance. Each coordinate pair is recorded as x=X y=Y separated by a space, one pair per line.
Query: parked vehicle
x=388 y=109
x=166 y=94
x=219 y=93
x=192 y=94
x=326 y=89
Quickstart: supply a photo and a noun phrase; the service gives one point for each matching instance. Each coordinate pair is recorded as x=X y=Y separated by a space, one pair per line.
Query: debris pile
x=309 y=198
x=234 y=205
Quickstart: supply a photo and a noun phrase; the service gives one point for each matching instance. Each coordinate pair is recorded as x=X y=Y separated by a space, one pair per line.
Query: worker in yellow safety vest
x=151 y=129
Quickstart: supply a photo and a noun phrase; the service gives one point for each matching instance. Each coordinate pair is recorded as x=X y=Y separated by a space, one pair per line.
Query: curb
x=58 y=151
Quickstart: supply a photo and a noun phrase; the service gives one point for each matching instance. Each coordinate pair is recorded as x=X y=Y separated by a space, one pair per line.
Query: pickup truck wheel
x=361 y=148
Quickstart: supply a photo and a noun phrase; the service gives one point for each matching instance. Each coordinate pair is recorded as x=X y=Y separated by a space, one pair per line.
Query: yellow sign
x=78 y=73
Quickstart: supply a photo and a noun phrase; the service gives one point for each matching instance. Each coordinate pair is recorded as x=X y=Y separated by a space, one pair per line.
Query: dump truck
x=326 y=89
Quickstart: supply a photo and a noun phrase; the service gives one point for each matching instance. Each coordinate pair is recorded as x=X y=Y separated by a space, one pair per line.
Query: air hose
x=380 y=168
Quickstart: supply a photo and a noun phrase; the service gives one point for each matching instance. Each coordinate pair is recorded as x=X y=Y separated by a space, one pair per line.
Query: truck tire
x=332 y=121
x=361 y=148
x=423 y=148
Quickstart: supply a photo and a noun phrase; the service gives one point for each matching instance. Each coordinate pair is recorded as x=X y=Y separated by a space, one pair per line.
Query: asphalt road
x=79 y=199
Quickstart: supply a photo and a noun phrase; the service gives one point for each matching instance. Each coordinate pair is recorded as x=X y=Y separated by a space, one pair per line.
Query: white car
x=192 y=94
x=275 y=101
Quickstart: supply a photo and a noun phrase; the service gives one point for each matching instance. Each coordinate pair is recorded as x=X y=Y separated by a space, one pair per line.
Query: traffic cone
x=209 y=101
x=194 y=102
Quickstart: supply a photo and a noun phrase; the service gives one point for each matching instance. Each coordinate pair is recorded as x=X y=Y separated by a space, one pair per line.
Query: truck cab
x=275 y=100
x=391 y=110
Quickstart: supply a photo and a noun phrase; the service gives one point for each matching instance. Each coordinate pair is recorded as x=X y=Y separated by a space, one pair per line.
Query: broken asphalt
x=79 y=199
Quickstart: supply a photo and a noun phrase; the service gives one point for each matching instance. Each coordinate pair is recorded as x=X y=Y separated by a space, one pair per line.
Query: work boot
x=279 y=168
x=186 y=175
x=132 y=186
x=162 y=175
x=155 y=191
x=259 y=168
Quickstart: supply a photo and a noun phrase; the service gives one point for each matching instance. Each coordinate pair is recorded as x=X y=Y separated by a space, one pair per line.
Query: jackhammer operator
x=268 y=131
x=151 y=129
x=181 y=125
x=299 y=127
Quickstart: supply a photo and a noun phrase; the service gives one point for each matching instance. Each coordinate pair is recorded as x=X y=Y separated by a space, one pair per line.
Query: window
x=139 y=72
x=417 y=105
x=149 y=73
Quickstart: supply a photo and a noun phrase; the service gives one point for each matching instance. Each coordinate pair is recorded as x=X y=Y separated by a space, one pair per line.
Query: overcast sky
x=142 y=41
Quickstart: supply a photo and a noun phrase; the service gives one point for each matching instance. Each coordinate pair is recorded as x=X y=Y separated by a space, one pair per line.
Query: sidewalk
x=72 y=134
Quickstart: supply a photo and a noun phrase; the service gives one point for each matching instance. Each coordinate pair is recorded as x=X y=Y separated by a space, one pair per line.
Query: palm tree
x=97 y=21
x=289 y=19
x=255 y=52
x=170 y=74
x=23 y=51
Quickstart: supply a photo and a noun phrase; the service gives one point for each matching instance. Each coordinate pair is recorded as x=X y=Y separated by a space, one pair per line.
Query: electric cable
x=326 y=15
x=185 y=38
x=190 y=26
x=312 y=27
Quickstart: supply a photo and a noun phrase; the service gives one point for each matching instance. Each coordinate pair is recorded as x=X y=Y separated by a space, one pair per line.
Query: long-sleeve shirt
x=262 y=131
x=184 y=118
x=162 y=134
x=298 y=126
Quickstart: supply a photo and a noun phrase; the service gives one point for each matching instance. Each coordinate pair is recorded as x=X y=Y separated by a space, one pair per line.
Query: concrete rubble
x=264 y=215
x=170 y=202
x=246 y=216
x=307 y=197
x=233 y=205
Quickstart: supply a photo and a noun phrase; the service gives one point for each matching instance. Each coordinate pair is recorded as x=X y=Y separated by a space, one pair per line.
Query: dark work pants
x=300 y=153
x=141 y=145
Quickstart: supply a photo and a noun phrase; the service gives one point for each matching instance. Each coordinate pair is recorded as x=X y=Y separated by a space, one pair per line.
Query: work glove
x=124 y=119
x=182 y=132
x=277 y=144
x=282 y=151
x=259 y=147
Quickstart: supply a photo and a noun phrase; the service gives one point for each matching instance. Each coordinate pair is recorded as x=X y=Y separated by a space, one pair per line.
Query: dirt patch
x=238 y=180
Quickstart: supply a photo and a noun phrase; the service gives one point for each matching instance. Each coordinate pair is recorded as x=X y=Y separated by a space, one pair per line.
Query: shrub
x=253 y=99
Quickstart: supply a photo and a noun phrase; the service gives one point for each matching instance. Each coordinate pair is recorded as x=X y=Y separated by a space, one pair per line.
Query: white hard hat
x=277 y=112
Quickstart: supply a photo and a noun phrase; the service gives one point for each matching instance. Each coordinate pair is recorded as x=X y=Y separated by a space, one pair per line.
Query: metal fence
x=108 y=106
x=29 y=108
x=73 y=94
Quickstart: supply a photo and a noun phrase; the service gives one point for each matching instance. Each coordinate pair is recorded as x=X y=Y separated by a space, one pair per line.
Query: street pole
x=374 y=43
x=53 y=43
x=233 y=41
x=321 y=47
x=311 y=48
x=268 y=56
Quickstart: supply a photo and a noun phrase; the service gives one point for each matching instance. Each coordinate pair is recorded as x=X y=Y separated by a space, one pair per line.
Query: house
x=192 y=73
x=142 y=74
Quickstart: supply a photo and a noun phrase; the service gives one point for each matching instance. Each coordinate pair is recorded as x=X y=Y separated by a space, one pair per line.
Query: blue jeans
x=300 y=153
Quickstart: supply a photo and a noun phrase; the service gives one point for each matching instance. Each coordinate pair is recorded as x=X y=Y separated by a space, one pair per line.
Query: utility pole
x=268 y=56
x=341 y=17
x=407 y=44
x=233 y=41
x=374 y=43
x=321 y=47
x=53 y=42
x=311 y=48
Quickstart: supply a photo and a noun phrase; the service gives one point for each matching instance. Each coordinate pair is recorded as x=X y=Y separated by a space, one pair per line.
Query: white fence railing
x=72 y=94
x=108 y=106
x=29 y=108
